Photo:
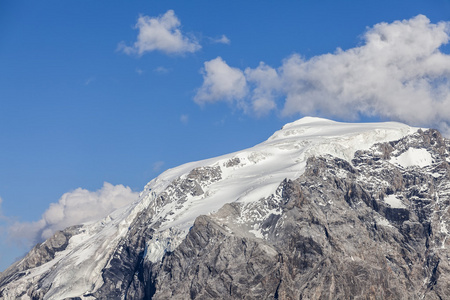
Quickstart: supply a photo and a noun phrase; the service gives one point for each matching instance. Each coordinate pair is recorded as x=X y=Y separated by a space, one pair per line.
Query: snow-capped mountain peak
x=169 y=205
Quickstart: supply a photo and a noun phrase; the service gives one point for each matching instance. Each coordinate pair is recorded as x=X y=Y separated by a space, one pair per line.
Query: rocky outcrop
x=330 y=234
x=39 y=255
x=125 y=276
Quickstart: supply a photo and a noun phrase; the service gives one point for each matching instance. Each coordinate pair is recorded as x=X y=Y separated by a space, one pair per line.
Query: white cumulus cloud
x=398 y=73
x=73 y=208
x=266 y=84
x=221 y=82
x=160 y=33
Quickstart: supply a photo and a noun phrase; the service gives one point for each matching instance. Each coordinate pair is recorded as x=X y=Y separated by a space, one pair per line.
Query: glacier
x=180 y=195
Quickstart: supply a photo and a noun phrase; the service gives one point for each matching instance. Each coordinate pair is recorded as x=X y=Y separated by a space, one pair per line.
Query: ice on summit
x=245 y=176
x=259 y=170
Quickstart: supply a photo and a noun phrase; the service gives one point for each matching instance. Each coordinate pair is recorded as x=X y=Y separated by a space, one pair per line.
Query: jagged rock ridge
x=331 y=235
x=372 y=225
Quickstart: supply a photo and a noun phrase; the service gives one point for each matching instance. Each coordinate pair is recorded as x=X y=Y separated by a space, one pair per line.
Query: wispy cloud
x=139 y=71
x=75 y=207
x=160 y=33
x=89 y=80
x=161 y=70
x=2 y=217
x=398 y=73
x=221 y=40
x=184 y=119
x=157 y=166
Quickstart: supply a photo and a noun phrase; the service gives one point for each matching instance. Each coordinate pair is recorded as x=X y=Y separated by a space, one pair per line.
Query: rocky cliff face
x=370 y=227
x=330 y=234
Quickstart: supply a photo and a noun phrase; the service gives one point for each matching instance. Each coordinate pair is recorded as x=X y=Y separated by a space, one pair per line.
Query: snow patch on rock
x=413 y=157
x=394 y=202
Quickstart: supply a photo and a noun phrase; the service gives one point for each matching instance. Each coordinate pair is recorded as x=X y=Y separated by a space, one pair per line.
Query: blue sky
x=84 y=101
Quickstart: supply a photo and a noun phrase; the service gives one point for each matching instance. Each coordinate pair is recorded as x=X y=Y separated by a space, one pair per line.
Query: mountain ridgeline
x=321 y=210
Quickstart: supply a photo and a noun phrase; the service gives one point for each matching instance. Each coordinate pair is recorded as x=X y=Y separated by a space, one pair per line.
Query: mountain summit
x=321 y=210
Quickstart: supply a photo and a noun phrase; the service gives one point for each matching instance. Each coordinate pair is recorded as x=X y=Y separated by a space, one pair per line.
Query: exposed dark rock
x=232 y=162
x=40 y=254
x=336 y=238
